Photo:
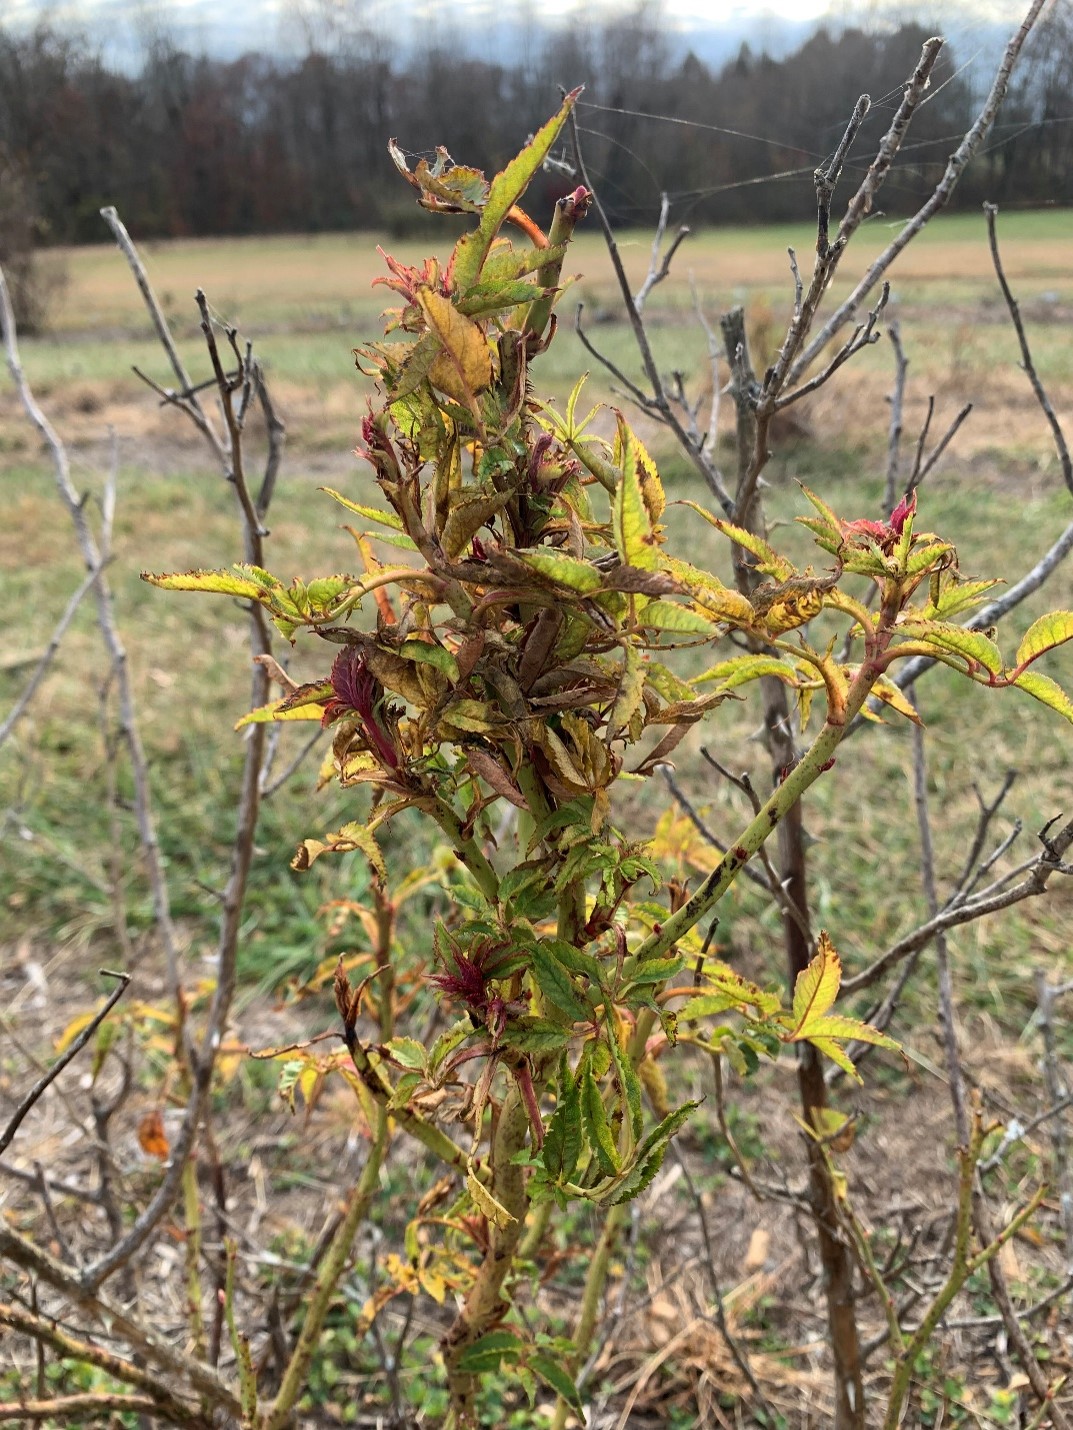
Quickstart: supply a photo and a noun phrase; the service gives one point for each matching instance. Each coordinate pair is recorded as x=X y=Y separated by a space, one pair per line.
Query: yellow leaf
x=635 y=540
x=817 y=987
x=272 y=712
x=350 y=837
x=630 y=691
x=72 y=1030
x=486 y=1204
x=1044 y=634
x=464 y=366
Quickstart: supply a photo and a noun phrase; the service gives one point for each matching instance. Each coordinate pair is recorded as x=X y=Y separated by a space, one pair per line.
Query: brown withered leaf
x=540 y=641
x=152 y=1138
x=494 y=775
x=673 y=737
x=637 y=582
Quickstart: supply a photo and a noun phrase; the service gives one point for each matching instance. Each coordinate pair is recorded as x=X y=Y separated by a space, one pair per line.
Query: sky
x=714 y=31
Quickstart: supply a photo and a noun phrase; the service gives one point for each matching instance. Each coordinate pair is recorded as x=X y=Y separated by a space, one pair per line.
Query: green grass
x=307 y=302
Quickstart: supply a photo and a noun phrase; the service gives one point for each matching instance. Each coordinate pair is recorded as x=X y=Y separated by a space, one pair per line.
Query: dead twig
x=937 y=200
x=897 y=402
x=1061 y=446
x=1035 y=883
x=17 y=711
x=67 y=1056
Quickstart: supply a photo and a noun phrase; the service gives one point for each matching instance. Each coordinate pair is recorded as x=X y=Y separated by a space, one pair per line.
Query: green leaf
x=597 y=1127
x=652 y=970
x=565 y=570
x=973 y=645
x=489 y=1351
x=630 y=692
x=1049 y=631
x=677 y=620
x=417 y=366
x=554 y=1374
x=830 y=520
x=505 y=190
x=640 y=1175
x=740 y=669
x=408 y=1053
x=488 y=297
x=956 y=597
x=635 y=540
x=405 y=1088
x=562 y=1140
x=246 y=581
x=431 y=653
x=666 y=684
x=665 y=1130
x=451 y=1038
x=574 y=959
x=767 y=560
x=503 y=265
x=1043 y=688
x=534 y=1035
x=628 y=1081
x=554 y=982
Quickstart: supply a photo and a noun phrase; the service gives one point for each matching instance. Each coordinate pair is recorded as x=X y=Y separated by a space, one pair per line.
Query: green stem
x=962 y=1266
x=782 y=799
x=331 y=1269
x=535 y=1231
x=483 y=1305
x=432 y=1138
x=466 y=848
x=568 y=210
x=192 y=1212
x=591 y=1301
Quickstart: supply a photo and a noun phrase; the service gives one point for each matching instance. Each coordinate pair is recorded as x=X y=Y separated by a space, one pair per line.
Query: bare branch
x=68 y=1056
x=922 y=468
x=634 y=392
x=164 y=1399
x=954 y=1072
x=1062 y=447
x=17 y=711
x=93 y=558
x=1046 y=998
x=187 y=394
x=938 y=199
x=659 y=402
x=1040 y=872
x=658 y=267
x=897 y=402
x=737 y=1351
x=93 y=1403
x=864 y=335
x=151 y=1346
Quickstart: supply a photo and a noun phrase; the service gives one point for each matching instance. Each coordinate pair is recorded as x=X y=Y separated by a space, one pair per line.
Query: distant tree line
x=187 y=144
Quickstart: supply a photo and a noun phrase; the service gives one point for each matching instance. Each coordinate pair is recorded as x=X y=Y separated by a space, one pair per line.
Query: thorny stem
x=483 y=1303
x=962 y=1266
x=331 y=1269
x=592 y=1299
x=782 y=799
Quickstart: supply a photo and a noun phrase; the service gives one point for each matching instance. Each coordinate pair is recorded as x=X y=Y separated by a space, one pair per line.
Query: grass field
x=306 y=303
